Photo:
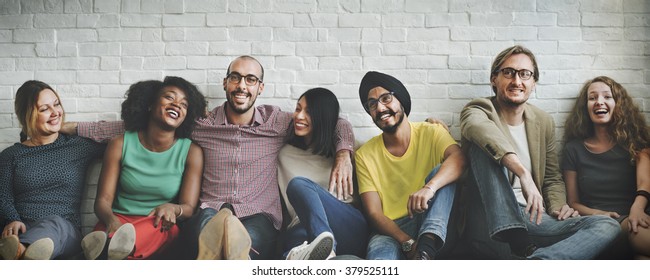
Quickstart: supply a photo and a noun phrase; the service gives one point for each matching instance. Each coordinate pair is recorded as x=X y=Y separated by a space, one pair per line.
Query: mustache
x=387 y=111
x=236 y=91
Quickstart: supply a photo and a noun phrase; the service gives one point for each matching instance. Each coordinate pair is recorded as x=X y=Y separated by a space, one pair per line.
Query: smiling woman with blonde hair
x=42 y=179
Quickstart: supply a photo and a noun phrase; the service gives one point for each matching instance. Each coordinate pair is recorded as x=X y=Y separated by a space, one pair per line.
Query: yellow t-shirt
x=395 y=178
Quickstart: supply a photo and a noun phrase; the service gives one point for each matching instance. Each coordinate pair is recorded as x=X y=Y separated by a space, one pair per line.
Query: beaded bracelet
x=643 y=193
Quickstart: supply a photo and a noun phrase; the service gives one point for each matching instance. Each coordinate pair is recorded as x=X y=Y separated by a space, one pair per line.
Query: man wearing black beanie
x=406 y=174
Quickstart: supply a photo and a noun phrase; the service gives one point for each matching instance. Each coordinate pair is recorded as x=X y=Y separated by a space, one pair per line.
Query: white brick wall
x=92 y=50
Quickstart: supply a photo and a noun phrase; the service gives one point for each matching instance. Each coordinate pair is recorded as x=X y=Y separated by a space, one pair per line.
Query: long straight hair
x=26 y=106
x=323 y=109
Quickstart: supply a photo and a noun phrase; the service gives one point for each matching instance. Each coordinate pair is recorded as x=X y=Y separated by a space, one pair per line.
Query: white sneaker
x=319 y=249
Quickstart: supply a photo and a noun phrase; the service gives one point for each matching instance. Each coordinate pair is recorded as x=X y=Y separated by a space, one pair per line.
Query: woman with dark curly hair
x=42 y=179
x=606 y=161
x=151 y=175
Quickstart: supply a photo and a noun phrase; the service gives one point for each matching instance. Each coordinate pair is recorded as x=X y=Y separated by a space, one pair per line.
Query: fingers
x=409 y=206
x=634 y=226
x=350 y=184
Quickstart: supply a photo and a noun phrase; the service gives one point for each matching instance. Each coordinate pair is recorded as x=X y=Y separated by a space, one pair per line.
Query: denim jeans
x=435 y=221
x=319 y=211
x=64 y=234
x=574 y=238
x=260 y=228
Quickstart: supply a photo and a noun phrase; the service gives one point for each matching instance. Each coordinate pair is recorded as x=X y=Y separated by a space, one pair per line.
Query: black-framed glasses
x=510 y=73
x=235 y=78
x=385 y=98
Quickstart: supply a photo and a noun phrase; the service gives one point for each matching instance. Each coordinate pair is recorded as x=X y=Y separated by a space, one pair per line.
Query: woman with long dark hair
x=323 y=222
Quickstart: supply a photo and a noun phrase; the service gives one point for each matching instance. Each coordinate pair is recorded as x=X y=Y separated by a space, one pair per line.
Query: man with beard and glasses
x=240 y=209
x=516 y=198
x=406 y=175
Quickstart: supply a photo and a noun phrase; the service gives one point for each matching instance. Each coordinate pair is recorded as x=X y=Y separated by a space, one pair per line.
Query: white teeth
x=301 y=125
x=385 y=116
x=172 y=113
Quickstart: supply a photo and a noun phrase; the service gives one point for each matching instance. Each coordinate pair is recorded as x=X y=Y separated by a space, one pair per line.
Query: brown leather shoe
x=236 y=241
x=211 y=236
x=10 y=248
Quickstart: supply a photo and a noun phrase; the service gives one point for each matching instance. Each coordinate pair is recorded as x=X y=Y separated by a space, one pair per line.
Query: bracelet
x=429 y=187
x=181 y=213
x=643 y=193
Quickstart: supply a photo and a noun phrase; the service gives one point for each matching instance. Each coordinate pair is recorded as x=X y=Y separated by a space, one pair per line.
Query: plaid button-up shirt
x=240 y=162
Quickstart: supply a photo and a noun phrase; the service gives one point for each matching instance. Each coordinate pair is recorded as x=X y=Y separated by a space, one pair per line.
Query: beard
x=390 y=129
x=231 y=102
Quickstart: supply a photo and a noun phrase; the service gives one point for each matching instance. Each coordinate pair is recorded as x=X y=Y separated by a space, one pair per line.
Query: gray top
x=606 y=181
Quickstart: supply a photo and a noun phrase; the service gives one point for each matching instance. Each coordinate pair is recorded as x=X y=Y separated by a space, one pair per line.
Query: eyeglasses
x=385 y=98
x=235 y=78
x=509 y=73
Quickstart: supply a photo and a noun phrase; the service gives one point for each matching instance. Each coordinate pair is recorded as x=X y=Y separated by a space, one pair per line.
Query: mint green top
x=148 y=179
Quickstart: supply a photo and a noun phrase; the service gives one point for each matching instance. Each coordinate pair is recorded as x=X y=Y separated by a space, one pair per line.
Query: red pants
x=148 y=239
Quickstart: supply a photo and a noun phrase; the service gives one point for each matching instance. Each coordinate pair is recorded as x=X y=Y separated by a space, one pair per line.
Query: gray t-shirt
x=606 y=181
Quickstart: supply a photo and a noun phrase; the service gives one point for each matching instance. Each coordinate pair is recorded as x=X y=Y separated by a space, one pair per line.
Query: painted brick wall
x=92 y=50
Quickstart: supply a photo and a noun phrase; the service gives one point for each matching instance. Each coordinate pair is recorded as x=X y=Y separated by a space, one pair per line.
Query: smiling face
x=389 y=116
x=241 y=97
x=49 y=114
x=170 y=108
x=514 y=91
x=302 y=120
x=600 y=103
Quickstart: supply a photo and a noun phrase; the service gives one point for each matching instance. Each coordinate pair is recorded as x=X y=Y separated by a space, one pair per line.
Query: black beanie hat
x=374 y=79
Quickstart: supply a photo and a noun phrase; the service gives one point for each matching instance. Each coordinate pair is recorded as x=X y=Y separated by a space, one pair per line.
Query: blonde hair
x=26 y=106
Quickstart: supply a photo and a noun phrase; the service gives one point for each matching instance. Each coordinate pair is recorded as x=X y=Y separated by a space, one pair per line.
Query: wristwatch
x=407 y=245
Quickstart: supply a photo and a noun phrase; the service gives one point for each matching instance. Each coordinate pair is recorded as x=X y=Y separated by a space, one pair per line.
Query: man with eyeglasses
x=406 y=175
x=516 y=197
x=240 y=208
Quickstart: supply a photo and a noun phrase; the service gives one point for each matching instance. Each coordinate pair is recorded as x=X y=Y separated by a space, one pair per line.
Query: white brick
x=637 y=34
x=468 y=91
x=559 y=62
x=53 y=6
x=470 y=62
x=77 y=6
x=350 y=49
x=315 y=20
x=112 y=91
x=202 y=6
x=229 y=48
x=295 y=6
x=33 y=64
x=289 y=63
x=110 y=63
x=448 y=76
x=251 y=33
x=207 y=62
x=152 y=6
x=132 y=62
x=612 y=6
x=393 y=35
x=136 y=20
x=107 y=6
x=490 y=19
x=472 y=33
x=339 y=63
x=317 y=49
x=413 y=79
x=515 y=6
x=549 y=106
x=7 y=64
x=425 y=6
x=29 y=7
x=537 y=47
x=426 y=62
x=479 y=77
x=295 y=34
x=359 y=20
x=272 y=20
x=78 y=91
x=557 y=91
x=637 y=20
x=174 y=34
x=444 y=20
x=327 y=6
x=636 y=6
x=143 y=49
x=193 y=76
x=446 y=47
x=602 y=34
x=99 y=105
x=534 y=19
x=384 y=63
x=15 y=21
x=77 y=63
x=560 y=33
x=174 y=6
x=229 y=19
x=5 y=121
x=350 y=6
x=427 y=34
x=17 y=50
x=515 y=33
x=130 y=6
x=622 y=48
x=403 y=20
x=320 y=77
x=6 y=92
x=130 y=77
x=206 y=34
x=119 y=34
x=165 y=63
x=558 y=5
x=151 y=35
x=9 y=135
x=98 y=77
x=371 y=34
x=602 y=19
x=470 y=6
x=583 y=47
x=98 y=21
x=6 y=36
x=407 y=48
x=15 y=78
x=99 y=49
x=46 y=49
x=273 y=48
x=54 y=21
x=187 y=48
x=66 y=49
x=33 y=35
x=77 y=35
x=344 y=35
x=185 y=20
x=568 y=19
x=607 y=62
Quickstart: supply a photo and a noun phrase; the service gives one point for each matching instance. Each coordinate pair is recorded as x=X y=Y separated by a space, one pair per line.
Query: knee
x=298 y=185
x=605 y=224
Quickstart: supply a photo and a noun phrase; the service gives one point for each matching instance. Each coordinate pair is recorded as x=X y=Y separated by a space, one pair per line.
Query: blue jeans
x=260 y=228
x=435 y=221
x=574 y=238
x=319 y=211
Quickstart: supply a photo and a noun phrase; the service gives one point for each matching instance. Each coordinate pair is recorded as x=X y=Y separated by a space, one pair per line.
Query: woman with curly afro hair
x=151 y=174
x=606 y=161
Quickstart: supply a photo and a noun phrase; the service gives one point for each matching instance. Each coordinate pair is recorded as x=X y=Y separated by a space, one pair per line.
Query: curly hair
x=142 y=95
x=26 y=106
x=627 y=127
